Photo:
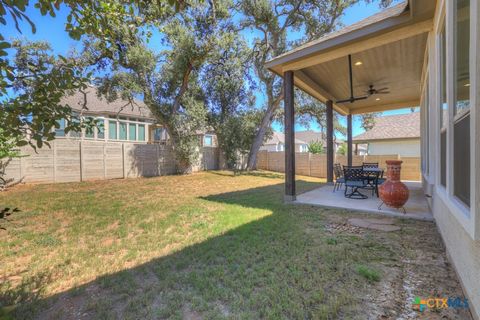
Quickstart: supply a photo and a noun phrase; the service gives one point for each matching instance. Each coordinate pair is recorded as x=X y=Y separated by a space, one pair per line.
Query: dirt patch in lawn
x=420 y=270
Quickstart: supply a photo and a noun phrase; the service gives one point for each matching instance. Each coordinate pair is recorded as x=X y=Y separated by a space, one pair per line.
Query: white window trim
x=469 y=218
x=211 y=137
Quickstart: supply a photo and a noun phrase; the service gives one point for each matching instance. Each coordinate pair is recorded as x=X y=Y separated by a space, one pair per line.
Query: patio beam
x=349 y=140
x=290 y=192
x=330 y=149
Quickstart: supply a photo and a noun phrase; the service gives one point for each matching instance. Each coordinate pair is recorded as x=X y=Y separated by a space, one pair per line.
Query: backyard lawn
x=208 y=246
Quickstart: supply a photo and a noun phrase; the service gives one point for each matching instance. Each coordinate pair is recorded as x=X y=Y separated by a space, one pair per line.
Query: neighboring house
x=427 y=53
x=395 y=134
x=277 y=143
x=310 y=136
x=119 y=121
x=360 y=149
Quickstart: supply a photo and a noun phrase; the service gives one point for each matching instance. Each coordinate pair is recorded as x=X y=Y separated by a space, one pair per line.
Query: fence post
x=54 y=156
x=104 y=160
x=81 y=160
x=123 y=161
x=22 y=169
x=309 y=164
x=266 y=159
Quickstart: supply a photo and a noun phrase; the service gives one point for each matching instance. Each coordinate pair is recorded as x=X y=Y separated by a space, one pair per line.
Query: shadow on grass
x=274 y=267
x=262 y=174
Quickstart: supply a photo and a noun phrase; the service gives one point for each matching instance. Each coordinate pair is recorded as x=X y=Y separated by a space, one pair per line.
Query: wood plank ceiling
x=397 y=65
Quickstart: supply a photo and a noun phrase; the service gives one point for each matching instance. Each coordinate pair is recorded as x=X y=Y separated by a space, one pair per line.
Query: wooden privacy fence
x=315 y=165
x=79 y=160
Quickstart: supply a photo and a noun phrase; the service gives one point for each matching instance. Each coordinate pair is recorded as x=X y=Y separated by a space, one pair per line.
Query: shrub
x=315 y=147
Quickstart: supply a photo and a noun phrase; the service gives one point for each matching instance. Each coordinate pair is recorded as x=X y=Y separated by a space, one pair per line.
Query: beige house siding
x=403 y=147
x=463 y=251
x=280 y=147
x=458 y=225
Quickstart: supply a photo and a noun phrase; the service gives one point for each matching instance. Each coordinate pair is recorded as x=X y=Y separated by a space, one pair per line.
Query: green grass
x=368 y=273
x=204 y=246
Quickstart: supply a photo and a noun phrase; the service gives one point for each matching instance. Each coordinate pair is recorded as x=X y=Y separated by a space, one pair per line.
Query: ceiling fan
x=371 y=89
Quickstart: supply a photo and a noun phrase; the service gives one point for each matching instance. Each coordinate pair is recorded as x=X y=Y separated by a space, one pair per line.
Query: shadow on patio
x=415 y=208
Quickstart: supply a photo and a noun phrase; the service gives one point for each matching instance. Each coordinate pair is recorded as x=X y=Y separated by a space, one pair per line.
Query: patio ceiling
x=391 y=48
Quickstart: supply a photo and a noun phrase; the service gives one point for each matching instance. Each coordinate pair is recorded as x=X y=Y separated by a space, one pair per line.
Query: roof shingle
x=393 y=127
x=99 y=105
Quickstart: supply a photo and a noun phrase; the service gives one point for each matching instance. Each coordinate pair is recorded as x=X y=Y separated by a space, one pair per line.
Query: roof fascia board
x=301 y=59
x=384 y=139
x=367 y=30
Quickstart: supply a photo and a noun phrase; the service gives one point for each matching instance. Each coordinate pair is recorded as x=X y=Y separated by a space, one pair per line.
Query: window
x=89 y=132
x=100 y=129
x=208 y=140
x=112 y=130
x=159 y=134
x=132 y=131
x=462 y=56
x=141 y=132
x=443 y=108
x=280 y=147
x=425 y=128
x=75 y=134
x=122 y=134
x=461 y=120
x=60 y=131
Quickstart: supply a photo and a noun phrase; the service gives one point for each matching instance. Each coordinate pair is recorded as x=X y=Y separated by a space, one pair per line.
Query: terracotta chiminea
x=393 y=192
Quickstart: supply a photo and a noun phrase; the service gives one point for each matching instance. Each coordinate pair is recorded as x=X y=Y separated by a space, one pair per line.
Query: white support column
x=450 y=61
x=475 y=116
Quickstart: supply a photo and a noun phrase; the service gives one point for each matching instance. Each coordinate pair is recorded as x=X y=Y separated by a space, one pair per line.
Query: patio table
x=377 y=172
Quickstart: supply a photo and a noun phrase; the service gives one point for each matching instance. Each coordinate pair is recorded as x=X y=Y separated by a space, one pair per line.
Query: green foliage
x=37 y=83
x=229 y=98
x=342 y=149
x=309 y=109
x=315 y=147
x=368 y=273
x=32 y=84
x=368 y=120
x=170 y=83
x=273 y=20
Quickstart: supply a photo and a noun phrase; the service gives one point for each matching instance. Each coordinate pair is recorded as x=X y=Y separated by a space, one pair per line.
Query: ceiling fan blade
x=343 y=101
x=353 y=99
x=384 y=92
x=362 y=97
x=381 y=89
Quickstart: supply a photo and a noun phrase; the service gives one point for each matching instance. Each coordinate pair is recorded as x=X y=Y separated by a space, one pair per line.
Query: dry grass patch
x=207 y=246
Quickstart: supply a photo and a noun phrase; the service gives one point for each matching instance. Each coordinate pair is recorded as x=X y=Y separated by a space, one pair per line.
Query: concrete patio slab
x=416 y=206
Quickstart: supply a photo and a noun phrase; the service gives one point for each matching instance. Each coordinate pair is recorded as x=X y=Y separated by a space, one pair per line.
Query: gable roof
x=279 y=137
x=392 y=127
x=325 y=40
x=99 y=105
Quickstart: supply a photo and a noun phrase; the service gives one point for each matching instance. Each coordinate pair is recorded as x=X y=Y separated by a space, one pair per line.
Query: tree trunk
x=258 y=141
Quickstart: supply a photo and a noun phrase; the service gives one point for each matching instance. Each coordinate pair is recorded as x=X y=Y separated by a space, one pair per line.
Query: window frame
x=468 y=218
x=210 y=136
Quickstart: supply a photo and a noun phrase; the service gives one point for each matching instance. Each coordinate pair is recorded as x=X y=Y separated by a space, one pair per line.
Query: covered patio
x=375 y=65
x=416 y=207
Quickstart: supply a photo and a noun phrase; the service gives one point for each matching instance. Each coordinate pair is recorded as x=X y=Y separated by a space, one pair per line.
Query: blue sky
x=52 y=30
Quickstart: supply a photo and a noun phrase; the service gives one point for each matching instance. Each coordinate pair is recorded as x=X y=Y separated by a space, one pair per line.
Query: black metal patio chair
x=354 y=179
x=371 y=176
x=339 y=178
